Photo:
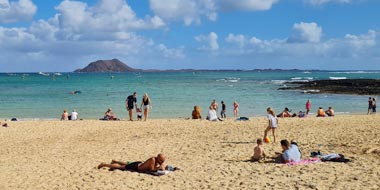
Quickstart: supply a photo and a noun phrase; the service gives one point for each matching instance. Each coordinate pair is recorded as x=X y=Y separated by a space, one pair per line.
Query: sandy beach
x=212 y=155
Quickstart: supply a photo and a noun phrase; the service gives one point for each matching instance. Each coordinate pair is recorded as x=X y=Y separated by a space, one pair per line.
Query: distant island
x=343 y=86
x=115 y=65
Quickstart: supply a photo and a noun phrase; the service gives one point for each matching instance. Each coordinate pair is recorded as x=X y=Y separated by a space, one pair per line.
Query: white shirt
x=74 y=115
x=273 y=120
x=212 y=115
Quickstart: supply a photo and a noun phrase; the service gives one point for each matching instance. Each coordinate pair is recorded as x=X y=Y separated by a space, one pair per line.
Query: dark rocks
x=344 y=86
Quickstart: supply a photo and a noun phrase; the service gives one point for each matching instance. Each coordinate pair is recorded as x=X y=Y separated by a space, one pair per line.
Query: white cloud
x=247 y=5
x=171 y=53
x=79 y=32
x=363 y=46
x=192 y=11
x=211 y=40
x=322 y=2
x=16 y=11
x=77 y=19
x=238 y=39
x=362 y=41
x=188 y=11
x=306 y=32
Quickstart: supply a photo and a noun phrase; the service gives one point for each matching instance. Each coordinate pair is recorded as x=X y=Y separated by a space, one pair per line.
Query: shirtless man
x=150 y=165
x=258 y=151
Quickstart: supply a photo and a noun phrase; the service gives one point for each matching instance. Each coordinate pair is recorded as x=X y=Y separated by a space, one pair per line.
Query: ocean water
x=173 y=95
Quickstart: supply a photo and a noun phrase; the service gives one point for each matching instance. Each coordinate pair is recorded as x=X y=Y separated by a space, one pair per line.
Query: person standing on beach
x=308 y=107
x=272 y=124
x=373 y=105
x=214 y=104
x=223 y=112
x=236 y=108
x=131 y=102
x=369 y=105
x=146 y=104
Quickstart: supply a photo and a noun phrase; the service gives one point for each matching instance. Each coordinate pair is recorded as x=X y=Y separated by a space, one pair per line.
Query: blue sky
x=56 y=35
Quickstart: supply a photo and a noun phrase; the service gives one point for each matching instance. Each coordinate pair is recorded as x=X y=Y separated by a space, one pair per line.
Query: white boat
x=44 y=74
x=57 y=74
x=311 y=91
x=337 y=78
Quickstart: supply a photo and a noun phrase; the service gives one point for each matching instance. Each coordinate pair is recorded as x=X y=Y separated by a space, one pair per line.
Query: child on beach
x=272 y=124
x=258 y=151
x=139 y=114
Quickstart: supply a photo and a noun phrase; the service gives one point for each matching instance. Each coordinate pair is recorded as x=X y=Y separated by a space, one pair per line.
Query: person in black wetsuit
x=130 y=103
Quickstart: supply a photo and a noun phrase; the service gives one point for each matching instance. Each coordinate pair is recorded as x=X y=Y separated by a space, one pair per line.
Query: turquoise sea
x=173 y=94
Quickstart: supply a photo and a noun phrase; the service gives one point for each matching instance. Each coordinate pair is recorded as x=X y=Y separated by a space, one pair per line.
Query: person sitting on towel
x=290 y=152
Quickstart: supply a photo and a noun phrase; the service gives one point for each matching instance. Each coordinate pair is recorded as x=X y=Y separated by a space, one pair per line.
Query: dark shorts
x=134 y=166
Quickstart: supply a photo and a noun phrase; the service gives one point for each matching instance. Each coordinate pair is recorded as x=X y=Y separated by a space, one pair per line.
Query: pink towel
x=304 y=161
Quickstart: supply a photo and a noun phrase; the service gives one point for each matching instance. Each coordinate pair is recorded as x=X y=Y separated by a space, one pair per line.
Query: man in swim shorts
x=130 y=103
x=150 y=165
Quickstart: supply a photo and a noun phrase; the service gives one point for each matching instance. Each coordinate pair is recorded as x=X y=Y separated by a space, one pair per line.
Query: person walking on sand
x=272 y=124
x=373 y=105
x=223 y=112
x=308 y=107
x=236 y=108
x=150 y=165
x=369 y=105
x=130 y=103
x=146 y=104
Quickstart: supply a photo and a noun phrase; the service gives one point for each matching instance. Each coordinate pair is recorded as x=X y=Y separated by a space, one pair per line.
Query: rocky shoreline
x=344 y=86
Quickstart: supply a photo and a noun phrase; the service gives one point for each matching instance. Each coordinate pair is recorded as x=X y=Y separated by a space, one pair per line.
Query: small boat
x=57 y=74
x=311 y=91
x=337 y=78
x=44 y=74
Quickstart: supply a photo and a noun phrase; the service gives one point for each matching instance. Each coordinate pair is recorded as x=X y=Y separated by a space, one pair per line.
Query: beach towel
x=168 y=169
x=160 y=172
x=304 y=161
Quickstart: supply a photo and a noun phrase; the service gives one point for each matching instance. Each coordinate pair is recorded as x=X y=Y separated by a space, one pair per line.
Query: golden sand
x=212 y=155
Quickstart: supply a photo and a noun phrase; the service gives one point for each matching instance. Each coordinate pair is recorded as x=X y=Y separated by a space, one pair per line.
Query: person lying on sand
x=151 y=165
x=258 y=151
x=4 y=124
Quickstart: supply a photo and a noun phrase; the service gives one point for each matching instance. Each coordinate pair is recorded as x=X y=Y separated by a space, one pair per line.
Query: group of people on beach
x=73 y=116
x=212 y=113
x=320 y=112
x=371 y=105
x=290 y=151
x=131 y=105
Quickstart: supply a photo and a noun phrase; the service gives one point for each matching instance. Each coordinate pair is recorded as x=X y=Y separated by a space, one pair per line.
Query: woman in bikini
x=146 y=104
x=236 y=108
